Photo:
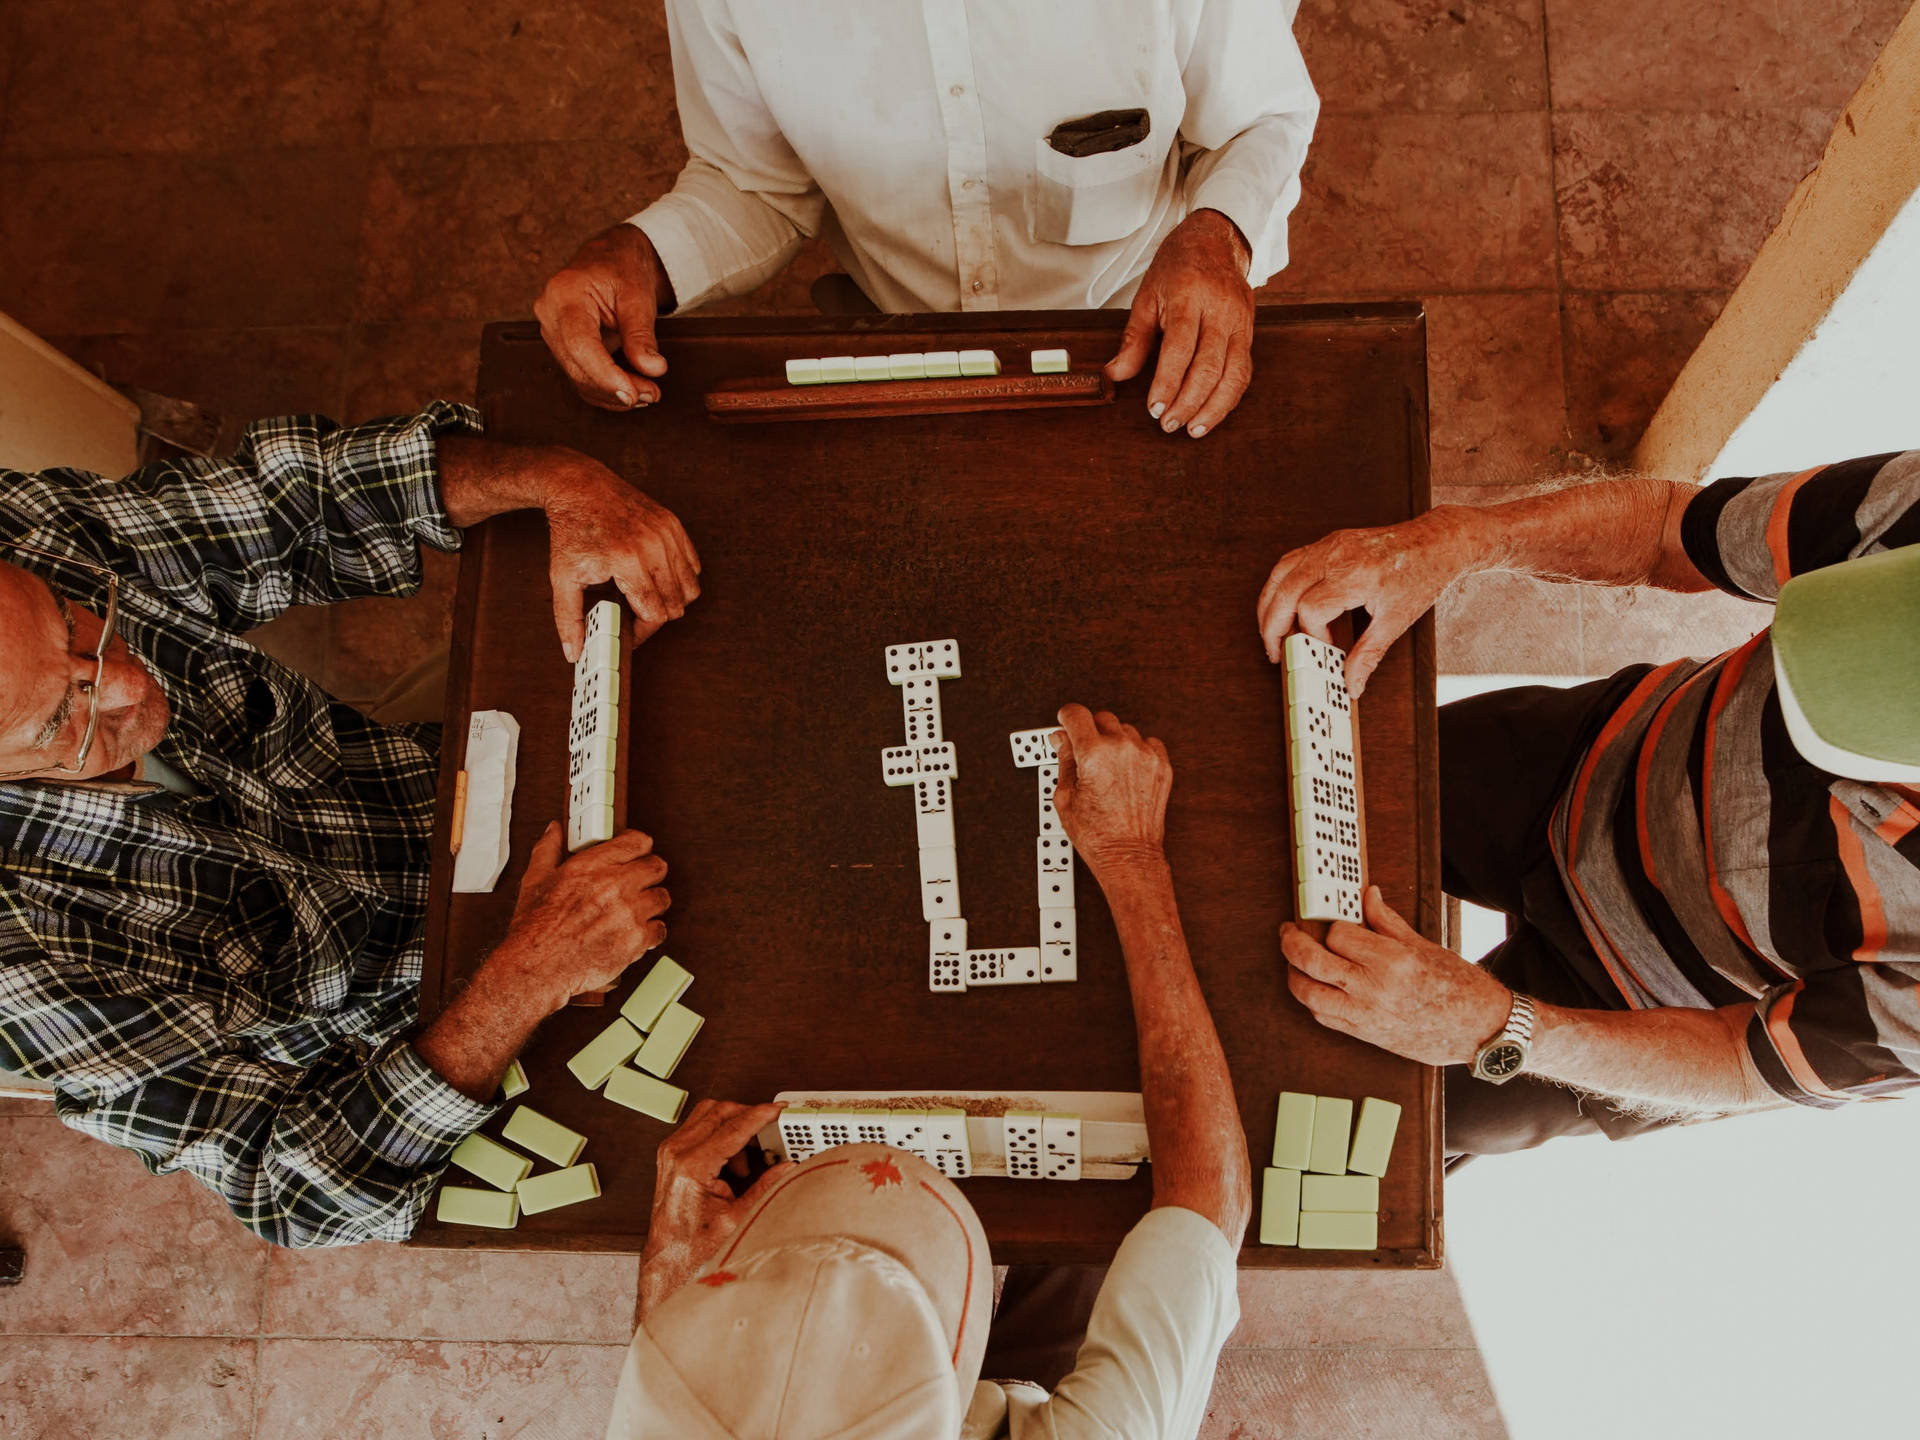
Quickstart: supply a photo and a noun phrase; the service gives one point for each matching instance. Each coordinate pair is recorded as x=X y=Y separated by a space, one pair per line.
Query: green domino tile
x=1280 y=1207
x=627 y=1086
x=803 y=372
x=491 y=1161
x=1373 y=1136
x=1293 y=1131
x=942 y=364
x=672 y=1033
x=1333 y=1230
x=559 y=1187
x=462 y=1205
x=1332 y=1122
x=666 y=982
x=548 y=1139
x=837 y=370
x=1352 y=1194
x=979 y=362
x=1048 y=362
x=514 y=1082
x=604 y=1054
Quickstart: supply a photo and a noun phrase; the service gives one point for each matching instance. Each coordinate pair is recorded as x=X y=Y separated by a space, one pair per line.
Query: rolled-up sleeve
x=1251 y=109
x=1169 y=1303
x=744 y=203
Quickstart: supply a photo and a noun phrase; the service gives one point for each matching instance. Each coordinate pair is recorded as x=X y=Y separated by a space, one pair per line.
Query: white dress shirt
x=915 y=135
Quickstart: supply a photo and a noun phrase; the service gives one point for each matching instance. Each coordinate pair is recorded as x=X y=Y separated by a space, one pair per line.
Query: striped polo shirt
x=1710 y=864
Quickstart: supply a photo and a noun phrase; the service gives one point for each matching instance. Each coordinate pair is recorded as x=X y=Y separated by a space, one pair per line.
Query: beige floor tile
x=1495 y=388
x=1503 y=624
x=201 y=241
x=399 y=367
x=1310 y=1309
x=479 y=72
x=372 y=642
x=394 y=1291
x=1404 y=205
x=239 y=375
x=130 y=77
x=1424 y=57
x=1363 y=1394
x=112 y=1250
x=1671 y=200
x=1641 y=626
x=119 y=1388
x=433 y=1390
x=1623 y=355
x=1714 y=54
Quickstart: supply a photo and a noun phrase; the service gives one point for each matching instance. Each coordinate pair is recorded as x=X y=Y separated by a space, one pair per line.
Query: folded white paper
x=493 y=744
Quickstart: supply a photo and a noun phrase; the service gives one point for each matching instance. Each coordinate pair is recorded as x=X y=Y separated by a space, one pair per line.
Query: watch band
x=1520 y=1017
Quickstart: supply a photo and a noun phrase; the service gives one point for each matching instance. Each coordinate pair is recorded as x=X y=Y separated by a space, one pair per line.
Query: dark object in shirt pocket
x=1100 y=133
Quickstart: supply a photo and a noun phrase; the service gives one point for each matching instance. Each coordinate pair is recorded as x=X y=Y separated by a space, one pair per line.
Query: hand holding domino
x=581 y=921
x=1111 y=798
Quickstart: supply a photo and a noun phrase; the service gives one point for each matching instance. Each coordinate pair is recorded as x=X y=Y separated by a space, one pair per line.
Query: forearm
x=1193 y=1120
x=489 y=1023
x=1608 y=532
x=1669 y=1059
x=481 y=478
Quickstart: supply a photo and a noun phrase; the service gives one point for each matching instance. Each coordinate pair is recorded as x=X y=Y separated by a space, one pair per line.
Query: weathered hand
x=580 y=921
x=609 y=293
x=602 y=529
x=694 y=1210
x=1394 y=573
x=1196 y=299
x=1112 y=795
x=1391 y=986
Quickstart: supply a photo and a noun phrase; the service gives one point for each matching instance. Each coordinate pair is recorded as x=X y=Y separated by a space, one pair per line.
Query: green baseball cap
x=1846 y=656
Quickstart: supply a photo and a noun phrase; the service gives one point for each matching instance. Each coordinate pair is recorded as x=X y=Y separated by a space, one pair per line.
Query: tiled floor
x=281 y=206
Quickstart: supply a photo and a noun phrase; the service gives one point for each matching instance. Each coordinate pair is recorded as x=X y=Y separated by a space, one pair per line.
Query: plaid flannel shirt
x=220 y=983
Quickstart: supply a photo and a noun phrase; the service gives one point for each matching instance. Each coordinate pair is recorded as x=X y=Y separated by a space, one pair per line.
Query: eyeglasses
x=99 y=658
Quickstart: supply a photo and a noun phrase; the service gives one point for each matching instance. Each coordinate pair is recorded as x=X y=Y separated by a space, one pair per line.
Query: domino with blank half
x=1329 y=861
x=939 y=885
x=559 y=1187
x=548 y=1139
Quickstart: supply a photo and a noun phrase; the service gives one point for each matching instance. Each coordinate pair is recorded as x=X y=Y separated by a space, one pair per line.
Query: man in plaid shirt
x=213 y=876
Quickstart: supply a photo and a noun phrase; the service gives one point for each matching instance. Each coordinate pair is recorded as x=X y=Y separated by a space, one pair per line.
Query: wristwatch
x=1507 y=1053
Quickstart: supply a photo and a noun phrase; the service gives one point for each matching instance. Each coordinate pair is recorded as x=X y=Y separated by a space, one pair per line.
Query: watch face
x=1502 y=1061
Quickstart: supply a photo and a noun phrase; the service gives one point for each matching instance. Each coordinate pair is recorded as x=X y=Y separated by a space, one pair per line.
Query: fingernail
x=625 y=397
x=1156 y=409
x=1168 y=425
x=1196 y=431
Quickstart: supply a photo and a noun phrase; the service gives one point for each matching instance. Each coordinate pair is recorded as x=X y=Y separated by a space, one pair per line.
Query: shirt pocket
x=1093 y=199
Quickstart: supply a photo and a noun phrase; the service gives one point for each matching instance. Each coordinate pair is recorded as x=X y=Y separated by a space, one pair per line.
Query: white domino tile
x=907 y=1130
x=946 y=1130
x=1049 y=817
x=942 y=658
x=870 y=1127
x=905 y=660
x=940 y=759
x=933 y=796
x=1034 y=748
x=1060 y=1147
x=1017 y=966
x=954 y=1164
x=799 y=1133
x=933 y=829
x=947 y=955
x=900 y=764
x=1059 y=942
x=1020 y=1138
x=939 y=884
x=1329 y=867
x=1055 y=887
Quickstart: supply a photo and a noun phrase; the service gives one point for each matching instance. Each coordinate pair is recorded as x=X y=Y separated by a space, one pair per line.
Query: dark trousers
x=1506 y=757
x=1041 y=1322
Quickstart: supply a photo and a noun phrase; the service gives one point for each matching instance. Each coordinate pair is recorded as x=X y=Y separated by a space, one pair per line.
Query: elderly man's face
x=45 y=642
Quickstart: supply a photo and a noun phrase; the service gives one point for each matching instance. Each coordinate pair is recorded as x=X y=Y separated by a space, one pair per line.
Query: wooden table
x=1078 y=554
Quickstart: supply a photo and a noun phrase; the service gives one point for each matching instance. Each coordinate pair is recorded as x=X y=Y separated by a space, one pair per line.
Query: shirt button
x=977 y=287
x=956 y=89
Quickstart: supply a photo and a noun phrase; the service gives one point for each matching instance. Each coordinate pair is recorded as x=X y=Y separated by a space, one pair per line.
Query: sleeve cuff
x=1260 y=216
x=1777 y=1055
x=1175 y=1226
x=430 y=524
x=423 y=1116
x=666 y=224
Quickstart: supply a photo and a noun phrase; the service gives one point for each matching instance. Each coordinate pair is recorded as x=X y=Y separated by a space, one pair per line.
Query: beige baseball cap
x=853 y=1302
